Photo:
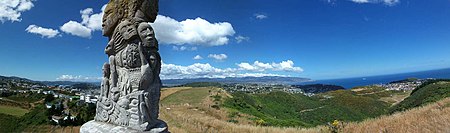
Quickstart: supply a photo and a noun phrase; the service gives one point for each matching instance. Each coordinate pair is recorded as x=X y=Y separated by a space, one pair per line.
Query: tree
x=49 y=98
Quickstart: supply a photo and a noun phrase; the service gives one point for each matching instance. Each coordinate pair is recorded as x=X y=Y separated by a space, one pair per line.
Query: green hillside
x=284 y=109
x=429 y=92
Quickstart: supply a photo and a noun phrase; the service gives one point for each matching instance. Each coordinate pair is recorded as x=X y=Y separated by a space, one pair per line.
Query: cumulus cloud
x=192 y=31
x=198 y=70
x=260 y=16
x=90 y=22
x=240 y=39
x=197 y=57
x=287 y=66
x=76 y=29
x=184 y=48
x=78 y=78
x=44 y=32
x=218 y=57
x=387 y=2
x=11 y=10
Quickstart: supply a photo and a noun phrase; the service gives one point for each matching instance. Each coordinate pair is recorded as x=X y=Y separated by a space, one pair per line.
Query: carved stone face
x=109 y=20
x=109 y=50
x=153 y=61
x=128 y=30
x=147 y=35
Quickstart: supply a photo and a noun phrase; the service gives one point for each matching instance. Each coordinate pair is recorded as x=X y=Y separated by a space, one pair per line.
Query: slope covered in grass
x=432 y=118
x=430 y=92
x=284 y=109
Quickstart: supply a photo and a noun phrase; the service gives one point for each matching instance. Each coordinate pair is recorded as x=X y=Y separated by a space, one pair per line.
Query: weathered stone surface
x=131 y=84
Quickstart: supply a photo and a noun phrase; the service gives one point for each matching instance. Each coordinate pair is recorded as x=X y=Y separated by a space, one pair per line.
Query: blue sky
x=318 y=39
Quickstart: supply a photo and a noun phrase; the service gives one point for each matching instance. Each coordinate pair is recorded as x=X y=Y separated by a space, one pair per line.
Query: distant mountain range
x=53 y=83
x=253 y=80
x=48 y=83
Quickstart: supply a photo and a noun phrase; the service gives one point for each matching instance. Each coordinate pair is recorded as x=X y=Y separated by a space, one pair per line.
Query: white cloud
x=218 y=57
x=387 y=2
x=78 y=78
x=192 y=31
x=198 y=70
x=76 y=29
x=90 y=22
x=287 y=66
x=240 y=39
x=44 y=32
x=260 y=16
x=11 y=10
x=197 y=57
x=184 y=48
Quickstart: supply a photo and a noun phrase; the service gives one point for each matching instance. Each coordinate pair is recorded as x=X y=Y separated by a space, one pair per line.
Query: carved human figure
x=105 y=81
x=151 y=85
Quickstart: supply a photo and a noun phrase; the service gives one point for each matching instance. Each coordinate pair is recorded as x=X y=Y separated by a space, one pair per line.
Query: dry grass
x=169 y=91
x=52 y=129
x=433 y=118
x=200 y=117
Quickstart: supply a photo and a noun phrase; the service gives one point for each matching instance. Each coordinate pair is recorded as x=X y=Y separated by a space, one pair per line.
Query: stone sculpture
x=131 y=85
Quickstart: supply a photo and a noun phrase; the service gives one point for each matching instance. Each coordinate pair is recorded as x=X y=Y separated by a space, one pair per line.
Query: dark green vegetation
x=284 y=109
x=429 y=92
x=405 y=80
x=318 y=88
x=19 y=111
x=26 y=97
x=37 y=116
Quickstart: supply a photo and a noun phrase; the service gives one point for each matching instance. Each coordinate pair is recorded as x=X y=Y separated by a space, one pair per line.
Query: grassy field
x=296 y=110
x=188 y=110
x=187 y=96
x=14 y=111
x=51 y=129
x=433 y=118
x=200 y=116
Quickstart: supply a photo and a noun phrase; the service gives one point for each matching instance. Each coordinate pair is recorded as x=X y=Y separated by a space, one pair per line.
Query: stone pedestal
x=101 y=127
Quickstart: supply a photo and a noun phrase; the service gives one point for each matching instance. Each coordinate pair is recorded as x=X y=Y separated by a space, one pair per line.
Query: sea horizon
x=349 y=83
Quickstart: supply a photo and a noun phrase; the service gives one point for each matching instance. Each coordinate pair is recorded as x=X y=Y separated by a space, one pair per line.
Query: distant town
x=60 y=100
x=311 y=90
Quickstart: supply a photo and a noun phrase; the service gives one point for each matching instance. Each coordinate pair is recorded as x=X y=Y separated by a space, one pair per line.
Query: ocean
x=363 y=81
